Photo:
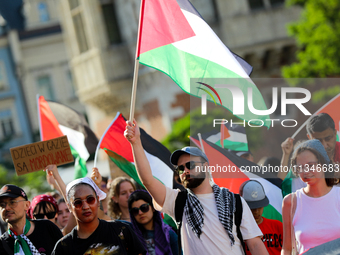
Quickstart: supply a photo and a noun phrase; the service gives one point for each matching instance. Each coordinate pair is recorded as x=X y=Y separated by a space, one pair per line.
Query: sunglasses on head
x=49 y=215
x=79 y=202
x=189 y=165
x=144 y=208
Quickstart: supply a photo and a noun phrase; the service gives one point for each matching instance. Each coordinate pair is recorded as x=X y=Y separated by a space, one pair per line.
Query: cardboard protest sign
x=36 y=156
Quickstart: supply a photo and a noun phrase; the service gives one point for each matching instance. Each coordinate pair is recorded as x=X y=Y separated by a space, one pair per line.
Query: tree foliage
x=318 y=38
x=33 y=183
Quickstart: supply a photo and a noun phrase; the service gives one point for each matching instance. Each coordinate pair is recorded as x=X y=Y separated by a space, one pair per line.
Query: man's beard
x=195 y=181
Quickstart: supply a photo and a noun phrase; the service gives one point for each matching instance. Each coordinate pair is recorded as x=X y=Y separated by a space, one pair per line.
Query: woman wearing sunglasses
x=92 y=235
x=44 y=207
x=156 y=237
x=311 y=215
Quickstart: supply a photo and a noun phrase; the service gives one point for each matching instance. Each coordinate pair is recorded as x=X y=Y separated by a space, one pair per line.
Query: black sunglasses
x=144 y=208
x=49 y=215
x=189 y=165
x=79 y=202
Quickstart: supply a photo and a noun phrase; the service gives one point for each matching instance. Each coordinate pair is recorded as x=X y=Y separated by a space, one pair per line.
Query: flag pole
x=101 y=139
x=39 y=117
x=222 y=135
x=136 y=68
x=211 y=179
x=305 y=123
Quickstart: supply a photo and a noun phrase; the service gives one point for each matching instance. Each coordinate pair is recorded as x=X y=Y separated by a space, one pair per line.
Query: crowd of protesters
x=95 y=215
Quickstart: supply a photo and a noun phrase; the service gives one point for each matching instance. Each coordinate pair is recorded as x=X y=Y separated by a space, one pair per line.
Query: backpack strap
x=179 y=209
x=238 y=219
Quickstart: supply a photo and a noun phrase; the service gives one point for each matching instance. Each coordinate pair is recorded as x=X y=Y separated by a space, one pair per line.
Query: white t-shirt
x=214 y=238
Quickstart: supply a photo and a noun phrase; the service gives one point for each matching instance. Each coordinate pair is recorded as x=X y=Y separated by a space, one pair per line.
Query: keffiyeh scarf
x=225 y=204
x=23 y=245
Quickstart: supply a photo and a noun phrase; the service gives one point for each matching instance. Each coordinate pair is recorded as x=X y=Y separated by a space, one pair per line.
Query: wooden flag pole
x=202 y=148
x=136 y=69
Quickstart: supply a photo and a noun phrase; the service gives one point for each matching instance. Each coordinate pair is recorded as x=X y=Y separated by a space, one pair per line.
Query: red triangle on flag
x=49 y=126
x=161 y=23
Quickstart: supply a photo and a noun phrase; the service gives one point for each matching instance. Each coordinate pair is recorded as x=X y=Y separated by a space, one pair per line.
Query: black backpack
x=179 y=209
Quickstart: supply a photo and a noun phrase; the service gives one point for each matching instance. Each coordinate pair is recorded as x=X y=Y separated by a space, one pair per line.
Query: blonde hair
x=113 y=208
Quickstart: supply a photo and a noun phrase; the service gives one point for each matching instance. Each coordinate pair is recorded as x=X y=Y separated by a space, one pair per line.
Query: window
x=276 y=2
x=45 y=87
x=111 y=23
x=262 y=4
x=78 y=23
x=43 y=12
x=287 y=55
x=6 y=123
x=71 y=84
x=256 y=4
x=3 y=76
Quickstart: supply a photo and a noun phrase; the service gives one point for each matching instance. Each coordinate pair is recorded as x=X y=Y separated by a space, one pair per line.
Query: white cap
x=88 y=181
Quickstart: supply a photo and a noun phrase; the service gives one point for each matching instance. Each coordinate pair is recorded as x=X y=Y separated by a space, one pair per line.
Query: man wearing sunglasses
x=24 y=236
x=208 y=212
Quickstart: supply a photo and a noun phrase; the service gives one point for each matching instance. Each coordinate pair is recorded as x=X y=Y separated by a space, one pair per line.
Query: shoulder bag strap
x=238 y=220
x=179 y=209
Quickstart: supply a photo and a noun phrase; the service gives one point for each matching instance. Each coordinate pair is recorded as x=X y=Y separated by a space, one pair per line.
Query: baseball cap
x=13 y=191
x=253 y=193
x=187 y=150
x=240 y=153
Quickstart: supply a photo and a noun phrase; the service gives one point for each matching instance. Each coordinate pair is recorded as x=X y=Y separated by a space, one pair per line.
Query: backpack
x=179 y=209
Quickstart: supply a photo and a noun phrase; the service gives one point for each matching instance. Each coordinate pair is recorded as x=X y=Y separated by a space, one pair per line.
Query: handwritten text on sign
x=36 y=156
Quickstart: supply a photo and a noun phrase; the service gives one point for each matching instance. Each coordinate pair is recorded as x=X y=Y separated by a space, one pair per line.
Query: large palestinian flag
x=119 y=150
x=233 y=177
x=57 y=120
x=174 y=39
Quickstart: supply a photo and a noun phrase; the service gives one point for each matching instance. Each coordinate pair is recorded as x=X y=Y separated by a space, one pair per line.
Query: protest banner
x=36 y=156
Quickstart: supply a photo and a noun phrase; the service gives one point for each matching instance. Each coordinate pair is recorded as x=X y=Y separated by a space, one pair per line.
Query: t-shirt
x=44 y=237
x=316 y=219
x=149 y=237
x=214 y=238
x=272 y=236
x=109 y=238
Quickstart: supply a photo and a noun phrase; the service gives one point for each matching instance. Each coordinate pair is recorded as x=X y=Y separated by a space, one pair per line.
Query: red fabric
x=332 y=109
x=161 y=23
x=115 y=141
x=36 y=200
x=272 y=236
x=49 y=126
x=337 y=153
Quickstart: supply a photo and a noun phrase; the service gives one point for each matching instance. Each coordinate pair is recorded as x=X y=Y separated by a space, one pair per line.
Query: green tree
x=33 y=183
x=317 y=33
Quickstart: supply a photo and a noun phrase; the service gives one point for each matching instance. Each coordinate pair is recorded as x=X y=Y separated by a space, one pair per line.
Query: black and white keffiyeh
x=225 y=204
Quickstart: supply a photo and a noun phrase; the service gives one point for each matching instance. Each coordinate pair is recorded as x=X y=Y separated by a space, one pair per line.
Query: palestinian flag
x=119 y=150
x=57 y=120
x=174 y=39
x=233 y=177
x=292 y=183
x=236 y=138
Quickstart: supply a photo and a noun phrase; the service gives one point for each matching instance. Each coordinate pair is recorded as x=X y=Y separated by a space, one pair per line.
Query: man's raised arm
x=154 y=186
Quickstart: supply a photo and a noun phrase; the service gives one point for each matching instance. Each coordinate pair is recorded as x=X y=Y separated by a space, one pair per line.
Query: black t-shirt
x=44 y=237
x=109 y=238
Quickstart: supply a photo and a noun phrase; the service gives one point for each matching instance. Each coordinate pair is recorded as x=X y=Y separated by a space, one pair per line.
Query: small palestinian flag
x=119 y=150
x=57 y=120
x=234 y=137
x=230 y=171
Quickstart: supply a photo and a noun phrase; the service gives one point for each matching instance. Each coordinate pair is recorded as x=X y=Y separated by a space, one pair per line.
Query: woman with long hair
x=311 y=215
x=120 y=190
x=156 y=237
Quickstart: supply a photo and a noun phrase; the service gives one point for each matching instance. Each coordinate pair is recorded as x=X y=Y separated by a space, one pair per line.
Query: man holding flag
x=208 y=211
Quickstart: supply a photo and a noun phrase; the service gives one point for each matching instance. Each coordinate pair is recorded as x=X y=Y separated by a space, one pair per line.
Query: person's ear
x=114 y=199
x=27 y=205
x=309 y=136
